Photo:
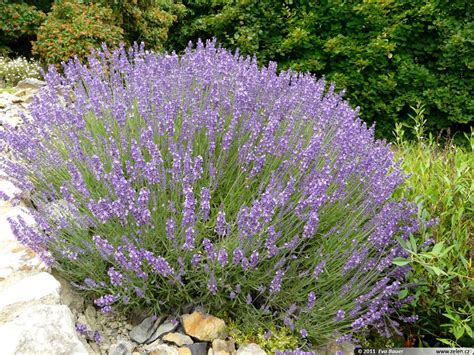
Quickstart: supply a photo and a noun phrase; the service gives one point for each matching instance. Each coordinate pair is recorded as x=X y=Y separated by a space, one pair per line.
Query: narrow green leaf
x=399 y=261
x=436 y=270
x=437 y=248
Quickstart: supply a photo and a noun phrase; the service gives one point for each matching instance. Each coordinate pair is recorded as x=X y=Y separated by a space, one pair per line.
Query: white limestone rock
x=17 y=259
x=178 y=339
x=122 y=347
x=11 y=117
x=42 y=329
x=41 y=288
x=163 y=349
x=7 y=99
x=30 y=83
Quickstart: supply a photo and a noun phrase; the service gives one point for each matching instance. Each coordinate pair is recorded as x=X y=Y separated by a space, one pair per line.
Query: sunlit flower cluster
x=14 y=70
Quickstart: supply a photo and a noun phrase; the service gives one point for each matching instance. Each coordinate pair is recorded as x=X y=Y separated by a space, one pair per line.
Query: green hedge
x=387 y=54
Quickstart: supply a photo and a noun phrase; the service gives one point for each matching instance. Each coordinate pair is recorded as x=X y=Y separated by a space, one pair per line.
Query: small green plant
x=14 y=70
x=73 y=29
x=270 y=340
x=441 y=254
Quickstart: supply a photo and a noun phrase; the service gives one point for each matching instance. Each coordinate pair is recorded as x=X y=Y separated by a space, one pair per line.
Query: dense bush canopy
x=19 y=23
x=146 y=21
x=389 y=55
x=207 y=179
x=73 y=29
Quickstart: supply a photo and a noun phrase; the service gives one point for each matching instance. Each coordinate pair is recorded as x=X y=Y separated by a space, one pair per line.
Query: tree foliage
x=73 y=29
x=19 y=22
x=388 y=54
x=145 y=21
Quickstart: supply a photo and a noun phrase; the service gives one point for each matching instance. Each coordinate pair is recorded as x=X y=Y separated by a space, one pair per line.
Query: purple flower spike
x=223 y=257
x=103 y=246
x=205 y=203
x=304 y=333
x=340 y=315
x=116 y=278
x=238 y=255
x=212 y=285
x=275 y=285
x=311 y=300
x=170 y=229
x=221 y=227
x=81 y=328
x=97 y=337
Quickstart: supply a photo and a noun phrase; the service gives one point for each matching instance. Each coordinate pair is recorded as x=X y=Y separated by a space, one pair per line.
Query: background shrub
x=19 y=22
x=206 y=179
x=73 y=29
x=146 y=21
x=441 y=183
x=387 y=54
x=14 y=70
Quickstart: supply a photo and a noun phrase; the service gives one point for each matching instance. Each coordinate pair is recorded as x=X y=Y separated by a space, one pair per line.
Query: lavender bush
x=205 y=179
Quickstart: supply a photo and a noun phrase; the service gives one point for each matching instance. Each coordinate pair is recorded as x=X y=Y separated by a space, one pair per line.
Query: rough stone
x=203 y=326
x=95 y=348
x=41 y=288
x=69 y=296
x=163 y=329
x=178 y=339
x=6 y=99
x=345 y=348
x=220 y=346
x=250 y=349
x=198 y=348
x=27 y=95
x=42 y=329
x=184 y=351
x=145 y=330
x=16 y=259
x=163 y=349
x=91 y=317
x=30 y=83
x=12 y=118
x=123 y=347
